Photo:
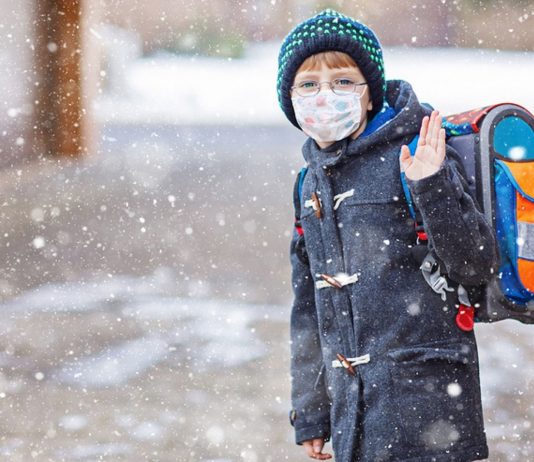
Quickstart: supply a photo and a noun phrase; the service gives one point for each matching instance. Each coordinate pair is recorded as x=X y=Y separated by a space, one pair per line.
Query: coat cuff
x=442 y=187
x=314 y=431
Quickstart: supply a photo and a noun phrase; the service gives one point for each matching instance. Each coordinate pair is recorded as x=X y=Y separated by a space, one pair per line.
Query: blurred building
x=504 y=24
x=16 y=80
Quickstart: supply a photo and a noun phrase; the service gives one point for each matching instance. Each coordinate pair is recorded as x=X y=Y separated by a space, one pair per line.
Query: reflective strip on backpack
x=525 y=240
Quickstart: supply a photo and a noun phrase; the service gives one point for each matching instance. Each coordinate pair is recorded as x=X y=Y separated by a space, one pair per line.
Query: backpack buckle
x=432 y=274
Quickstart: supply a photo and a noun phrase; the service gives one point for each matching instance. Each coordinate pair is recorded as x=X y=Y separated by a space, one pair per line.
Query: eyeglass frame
x=329 y=82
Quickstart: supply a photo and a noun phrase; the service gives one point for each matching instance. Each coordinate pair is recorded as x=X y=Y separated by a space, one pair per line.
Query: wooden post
x=60 y=113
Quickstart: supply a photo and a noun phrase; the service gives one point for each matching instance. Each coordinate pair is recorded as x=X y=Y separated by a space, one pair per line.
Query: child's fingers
x=318 y=445
x=430 y=129
x=308 y=447
x=441 y=145
x=436 y=129
x=422 y=133
x=323 y=456
x=314 y=447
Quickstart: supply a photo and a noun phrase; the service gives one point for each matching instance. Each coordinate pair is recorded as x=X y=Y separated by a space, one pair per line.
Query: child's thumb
x=405 y=157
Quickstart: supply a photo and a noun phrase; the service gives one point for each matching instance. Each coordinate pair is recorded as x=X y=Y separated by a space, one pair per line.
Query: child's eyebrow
x=314 y=75
x=346 y=72
x=307 y=75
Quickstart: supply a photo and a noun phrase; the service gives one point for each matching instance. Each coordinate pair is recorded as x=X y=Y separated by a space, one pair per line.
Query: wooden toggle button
x=317 y=202
x=331 y=280
x=346 y=364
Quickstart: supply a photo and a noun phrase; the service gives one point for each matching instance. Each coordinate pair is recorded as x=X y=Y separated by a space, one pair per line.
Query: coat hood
x=406 y=123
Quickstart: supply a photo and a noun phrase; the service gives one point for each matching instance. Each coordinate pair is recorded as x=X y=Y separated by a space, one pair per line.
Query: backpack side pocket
x=514 y=216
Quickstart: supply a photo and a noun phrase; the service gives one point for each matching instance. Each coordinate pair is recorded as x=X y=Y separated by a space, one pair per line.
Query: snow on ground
x=138 y=373
x=174 y=89
x=220 y=329
x=156 y=331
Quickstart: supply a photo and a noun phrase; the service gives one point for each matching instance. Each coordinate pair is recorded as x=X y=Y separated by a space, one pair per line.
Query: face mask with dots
x=328 y=116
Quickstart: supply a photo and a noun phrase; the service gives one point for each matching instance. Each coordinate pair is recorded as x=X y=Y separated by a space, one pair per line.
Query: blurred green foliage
x=209 y=41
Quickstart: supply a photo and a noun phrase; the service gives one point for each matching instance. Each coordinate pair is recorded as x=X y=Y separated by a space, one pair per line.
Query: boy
x=378 y=363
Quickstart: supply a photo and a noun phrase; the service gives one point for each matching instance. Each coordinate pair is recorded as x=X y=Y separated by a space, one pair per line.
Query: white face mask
x=327 y=116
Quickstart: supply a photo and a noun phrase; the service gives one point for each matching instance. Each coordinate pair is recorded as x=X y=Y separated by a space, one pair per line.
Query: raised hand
x=430 y=151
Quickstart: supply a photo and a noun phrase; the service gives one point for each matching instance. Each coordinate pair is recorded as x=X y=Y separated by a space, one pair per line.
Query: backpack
x=496 y=144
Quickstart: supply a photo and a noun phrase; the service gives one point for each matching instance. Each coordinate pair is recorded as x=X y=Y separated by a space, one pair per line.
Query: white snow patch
x=217 y=460
x=222 y=328
x=82 y=295
x=148 y=431
x=215 y=435
x=218 y=331
x=115 y=365
x=99 y=451
x=180 y=90
x=73 y=423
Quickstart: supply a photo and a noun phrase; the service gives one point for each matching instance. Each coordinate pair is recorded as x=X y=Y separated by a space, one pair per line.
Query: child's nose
x=321 y=100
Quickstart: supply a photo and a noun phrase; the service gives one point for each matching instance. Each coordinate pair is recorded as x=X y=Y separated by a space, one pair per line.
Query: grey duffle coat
x=416 y=396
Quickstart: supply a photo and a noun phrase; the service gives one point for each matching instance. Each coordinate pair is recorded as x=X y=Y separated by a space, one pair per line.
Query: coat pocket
x=437 y=392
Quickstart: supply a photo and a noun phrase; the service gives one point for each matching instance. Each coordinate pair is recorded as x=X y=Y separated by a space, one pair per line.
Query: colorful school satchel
x=496 y=144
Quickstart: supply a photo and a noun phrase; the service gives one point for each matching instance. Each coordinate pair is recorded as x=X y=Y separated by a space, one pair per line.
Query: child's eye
x=343 y=82
x=308 y=85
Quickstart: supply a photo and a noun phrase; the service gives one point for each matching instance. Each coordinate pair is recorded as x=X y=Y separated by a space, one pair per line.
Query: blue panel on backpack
x=513 y=138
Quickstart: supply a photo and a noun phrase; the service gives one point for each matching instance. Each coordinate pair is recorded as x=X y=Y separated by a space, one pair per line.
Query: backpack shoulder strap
x=412 y=146
x=415 y=214
x=297 y=198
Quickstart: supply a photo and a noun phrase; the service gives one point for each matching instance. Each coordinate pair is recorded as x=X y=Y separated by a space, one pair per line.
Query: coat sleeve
x=457 y=230
x=310 y=415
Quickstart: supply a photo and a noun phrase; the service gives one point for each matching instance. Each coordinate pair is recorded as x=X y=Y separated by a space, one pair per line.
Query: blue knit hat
x=331 y=31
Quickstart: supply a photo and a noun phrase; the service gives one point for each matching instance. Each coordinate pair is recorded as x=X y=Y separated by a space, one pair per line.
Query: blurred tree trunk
x=59 y=127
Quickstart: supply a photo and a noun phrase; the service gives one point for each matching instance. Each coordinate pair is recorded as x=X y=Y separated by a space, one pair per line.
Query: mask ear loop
x=370 y=100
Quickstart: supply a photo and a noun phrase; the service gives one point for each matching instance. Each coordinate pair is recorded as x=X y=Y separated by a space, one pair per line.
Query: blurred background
x=146 y=210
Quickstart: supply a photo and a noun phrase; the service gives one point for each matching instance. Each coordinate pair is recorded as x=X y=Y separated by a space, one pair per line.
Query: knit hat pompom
x=330 y=30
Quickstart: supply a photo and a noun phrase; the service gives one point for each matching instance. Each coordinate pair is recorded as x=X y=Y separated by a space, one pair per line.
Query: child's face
x=327 y=74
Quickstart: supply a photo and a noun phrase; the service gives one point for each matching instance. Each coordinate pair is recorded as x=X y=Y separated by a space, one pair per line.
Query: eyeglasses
x=338 y=86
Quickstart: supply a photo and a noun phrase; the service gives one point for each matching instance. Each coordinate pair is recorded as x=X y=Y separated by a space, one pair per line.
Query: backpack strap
x=297 y=198
x=416 y=215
